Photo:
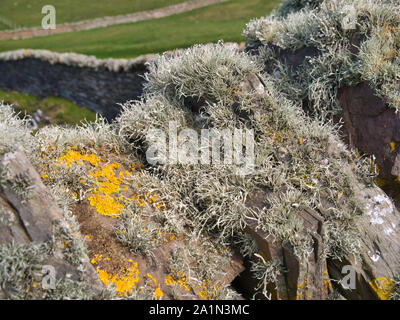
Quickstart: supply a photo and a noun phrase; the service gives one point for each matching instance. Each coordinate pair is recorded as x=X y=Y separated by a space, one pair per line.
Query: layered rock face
x=339 y=81
x=30 y=217
x=329 y=236
x=378 y=230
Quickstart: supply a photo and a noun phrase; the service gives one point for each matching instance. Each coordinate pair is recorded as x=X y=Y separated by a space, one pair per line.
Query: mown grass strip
x=210 y=24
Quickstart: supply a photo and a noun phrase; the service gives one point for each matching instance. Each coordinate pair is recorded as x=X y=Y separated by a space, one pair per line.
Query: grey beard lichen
x=341 y=55
x=292 y=157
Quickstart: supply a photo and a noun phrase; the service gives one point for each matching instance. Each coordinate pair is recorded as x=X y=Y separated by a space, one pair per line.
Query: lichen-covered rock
x=298 y=207
x=339 y=60
x=379 y=253
x=24 y=190
x=30 y=217
x=301 y=222
x=376 y=258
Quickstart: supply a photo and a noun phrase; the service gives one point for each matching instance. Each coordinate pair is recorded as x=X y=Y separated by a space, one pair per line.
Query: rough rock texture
x=371 y=127
x=31 y=217
x=380 y=246
x=310 y=277
x=291 y=58
x=369 y=124
x=303 y=279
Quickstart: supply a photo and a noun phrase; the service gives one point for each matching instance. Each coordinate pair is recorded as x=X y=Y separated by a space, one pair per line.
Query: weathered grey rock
x=310 y=277
x=37 y=211
x=379 y=231
x=31 y=215
x=10 y=226
x=303 y=278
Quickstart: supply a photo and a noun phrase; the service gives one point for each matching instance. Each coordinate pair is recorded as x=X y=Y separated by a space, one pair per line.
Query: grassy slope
x=28 y=13
x=222 y=21
x=59 y=111
x=3 y=26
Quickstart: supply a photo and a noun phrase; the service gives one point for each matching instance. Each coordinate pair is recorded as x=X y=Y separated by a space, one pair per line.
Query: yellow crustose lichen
x=74 y=157
x=107 y=183
x=382 y=287
x=106 y=196
x=157 y=292
x=178 y=279
x=126 y=280
x=208 y=291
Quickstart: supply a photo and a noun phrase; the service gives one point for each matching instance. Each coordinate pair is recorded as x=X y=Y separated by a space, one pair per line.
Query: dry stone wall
x=98 y=84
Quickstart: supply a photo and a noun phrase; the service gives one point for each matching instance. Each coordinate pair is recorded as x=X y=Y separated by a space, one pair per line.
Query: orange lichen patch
x=158 y=294
x=327 y=285
x=96 y=259
x=106 y=191
x=125 y=281
x=382 y=287
x=302 y=291
x=168 y=236
x=108 y=184
x=392 y=146
x=151 y=278
x=177 y=278
x=74 y=157
x=111 y=258
x=105 y=205
x=209 y=292
x=275 y=137
x=152 y=200
x=64 y=245
x=104 y=182
x=106 y=179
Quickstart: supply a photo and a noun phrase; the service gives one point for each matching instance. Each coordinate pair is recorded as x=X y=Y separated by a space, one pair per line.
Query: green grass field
x=58 y=110
x=28 y=13
x=209 y=24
